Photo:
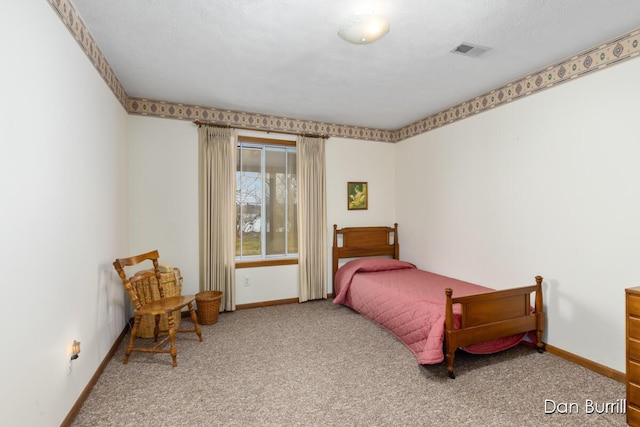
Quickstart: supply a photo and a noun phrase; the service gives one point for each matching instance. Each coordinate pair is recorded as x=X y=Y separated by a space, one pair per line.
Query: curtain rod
x=212 y=125
x=226 y=125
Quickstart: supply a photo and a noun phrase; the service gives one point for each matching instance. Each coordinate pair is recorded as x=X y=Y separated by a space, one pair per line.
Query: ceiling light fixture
x=363 y=28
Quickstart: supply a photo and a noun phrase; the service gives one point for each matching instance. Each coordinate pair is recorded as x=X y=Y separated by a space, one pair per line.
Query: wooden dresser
x=633 y=355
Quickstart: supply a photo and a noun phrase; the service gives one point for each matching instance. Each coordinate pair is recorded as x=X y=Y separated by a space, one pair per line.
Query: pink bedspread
x=409 y=302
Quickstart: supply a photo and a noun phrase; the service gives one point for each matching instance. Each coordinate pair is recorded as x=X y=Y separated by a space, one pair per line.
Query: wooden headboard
x=363 y=242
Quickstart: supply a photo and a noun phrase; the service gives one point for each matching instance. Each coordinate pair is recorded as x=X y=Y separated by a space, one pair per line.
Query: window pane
x=292 y=205
x=249 y=202
x=266 y=201
x=275 y=201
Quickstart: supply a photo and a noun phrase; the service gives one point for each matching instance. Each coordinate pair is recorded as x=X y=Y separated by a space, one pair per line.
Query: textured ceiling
x=284 y=57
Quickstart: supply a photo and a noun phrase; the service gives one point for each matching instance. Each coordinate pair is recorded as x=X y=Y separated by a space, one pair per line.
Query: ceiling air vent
x=470 y=50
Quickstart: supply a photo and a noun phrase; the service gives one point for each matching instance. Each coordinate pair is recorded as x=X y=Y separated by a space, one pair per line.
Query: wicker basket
x=147 y=290
x=208 y=306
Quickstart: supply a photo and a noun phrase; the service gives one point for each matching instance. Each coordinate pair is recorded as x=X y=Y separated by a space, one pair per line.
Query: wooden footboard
x=492 y=315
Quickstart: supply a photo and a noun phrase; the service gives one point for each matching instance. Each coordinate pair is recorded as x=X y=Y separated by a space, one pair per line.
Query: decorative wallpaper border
x=609 y=53
x=612 y=52
x=72 y=20
x=253 y=121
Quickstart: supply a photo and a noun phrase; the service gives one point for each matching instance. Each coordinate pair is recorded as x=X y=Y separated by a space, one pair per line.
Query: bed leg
x=450 y=344
x=450 y=357
x=539 y=315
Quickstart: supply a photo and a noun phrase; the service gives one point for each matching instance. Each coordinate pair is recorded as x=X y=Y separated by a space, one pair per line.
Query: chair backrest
x=143 y=286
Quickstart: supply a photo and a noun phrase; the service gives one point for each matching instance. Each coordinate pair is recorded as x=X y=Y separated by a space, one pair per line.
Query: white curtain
x=217 y=197
x=312 y=218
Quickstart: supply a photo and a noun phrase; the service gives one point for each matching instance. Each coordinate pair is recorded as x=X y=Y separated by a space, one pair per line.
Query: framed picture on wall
x=357 y=196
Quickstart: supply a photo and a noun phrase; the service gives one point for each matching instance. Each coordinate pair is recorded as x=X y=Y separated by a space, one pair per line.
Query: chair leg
x=134 y=332
x=194 y=319
x=172 y=338
x=156 y=329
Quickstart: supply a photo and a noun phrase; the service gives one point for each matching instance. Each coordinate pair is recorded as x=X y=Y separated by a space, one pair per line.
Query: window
x=266 y=199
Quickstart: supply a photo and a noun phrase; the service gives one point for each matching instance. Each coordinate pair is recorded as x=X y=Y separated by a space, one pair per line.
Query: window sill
x=266 y=262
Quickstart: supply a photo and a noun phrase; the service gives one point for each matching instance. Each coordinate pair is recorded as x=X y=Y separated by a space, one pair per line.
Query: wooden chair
x=152 y=302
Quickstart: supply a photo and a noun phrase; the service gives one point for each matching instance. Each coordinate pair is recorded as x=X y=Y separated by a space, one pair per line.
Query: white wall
x=63 y=216
x=355 y=160
x=545 y=185
x=164 y=199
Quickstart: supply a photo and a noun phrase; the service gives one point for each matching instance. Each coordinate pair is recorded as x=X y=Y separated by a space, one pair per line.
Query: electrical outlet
x=246 y=281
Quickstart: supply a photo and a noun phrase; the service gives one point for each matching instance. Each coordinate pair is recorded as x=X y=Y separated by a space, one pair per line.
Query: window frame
x=276 y=260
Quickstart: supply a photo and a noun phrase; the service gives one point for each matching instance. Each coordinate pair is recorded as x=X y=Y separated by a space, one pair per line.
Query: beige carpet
x=319 y=364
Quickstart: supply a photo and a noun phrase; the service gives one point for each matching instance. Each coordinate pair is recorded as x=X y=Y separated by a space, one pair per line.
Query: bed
x=432 y=315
